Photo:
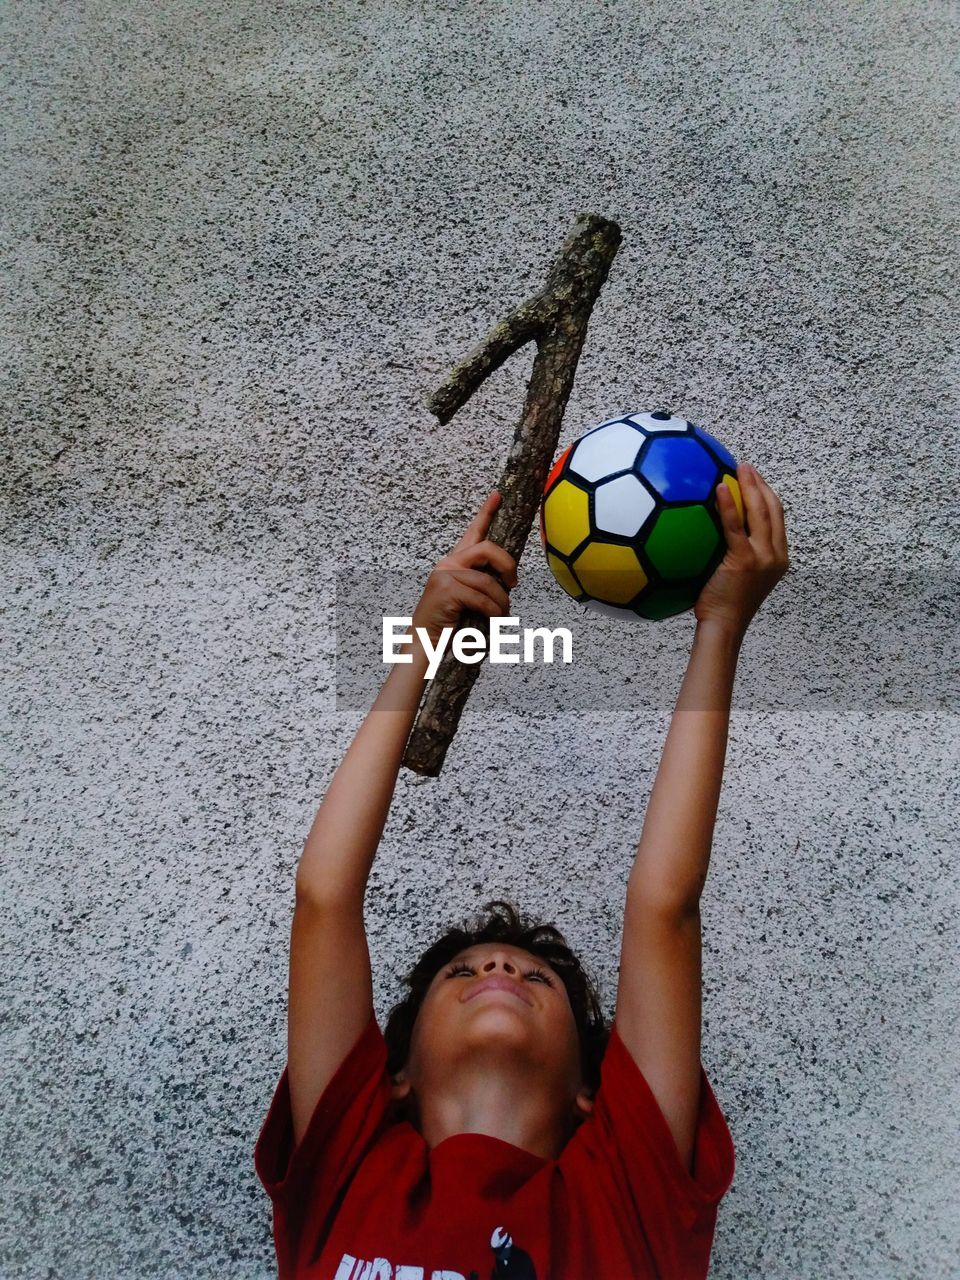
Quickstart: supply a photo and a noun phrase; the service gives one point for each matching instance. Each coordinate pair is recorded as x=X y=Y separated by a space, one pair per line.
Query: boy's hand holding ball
x=458 y=583
x=754 y=562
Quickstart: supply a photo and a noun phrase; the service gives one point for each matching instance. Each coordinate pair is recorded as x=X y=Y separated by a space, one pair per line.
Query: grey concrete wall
x=244 y=240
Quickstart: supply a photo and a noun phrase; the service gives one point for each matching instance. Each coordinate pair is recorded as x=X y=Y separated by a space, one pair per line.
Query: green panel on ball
x=682 y=541
x=664 y=602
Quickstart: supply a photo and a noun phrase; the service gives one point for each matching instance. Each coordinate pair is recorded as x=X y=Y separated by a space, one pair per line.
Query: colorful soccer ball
x=629 y=519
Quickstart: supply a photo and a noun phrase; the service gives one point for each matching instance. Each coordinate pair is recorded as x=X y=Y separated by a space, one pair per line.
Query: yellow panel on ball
x=731 y=483
x=609 y=572
x=566 y=515
x=564 y=577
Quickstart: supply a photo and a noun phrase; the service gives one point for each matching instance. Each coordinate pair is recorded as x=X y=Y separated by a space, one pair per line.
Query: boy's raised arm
x=658 y=1009
x=672 y=857
x=343 y=840
x=670 y=866
x=339 y=851
x=330 y=992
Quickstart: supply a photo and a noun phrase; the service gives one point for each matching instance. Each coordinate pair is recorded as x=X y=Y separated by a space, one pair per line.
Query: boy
x=516 y=1138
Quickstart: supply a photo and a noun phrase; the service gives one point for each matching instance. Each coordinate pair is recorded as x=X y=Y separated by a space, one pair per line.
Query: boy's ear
x=584 y=1102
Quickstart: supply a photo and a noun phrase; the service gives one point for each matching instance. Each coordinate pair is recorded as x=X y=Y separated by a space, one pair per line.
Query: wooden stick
x=557 y=319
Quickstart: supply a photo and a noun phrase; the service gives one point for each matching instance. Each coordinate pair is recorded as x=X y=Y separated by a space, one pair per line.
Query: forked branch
x=557 y=319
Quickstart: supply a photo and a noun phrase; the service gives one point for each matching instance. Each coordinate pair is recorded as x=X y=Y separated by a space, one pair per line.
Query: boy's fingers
x=733 y=529
x=481 y=602
x=478 y=526
x=758 y=515
x=491 y=553
x=778 y=528
x=477 y=581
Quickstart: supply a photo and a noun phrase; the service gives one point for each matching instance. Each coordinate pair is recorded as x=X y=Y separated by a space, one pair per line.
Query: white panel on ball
x=622 y=505
x=608 y=449
x=649 y=423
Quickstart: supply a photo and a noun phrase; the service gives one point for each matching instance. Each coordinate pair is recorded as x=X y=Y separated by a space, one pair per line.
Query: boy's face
x=533 y=1030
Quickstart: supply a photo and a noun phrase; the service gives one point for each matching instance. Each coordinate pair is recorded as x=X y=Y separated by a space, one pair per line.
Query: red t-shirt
x=364 y=1198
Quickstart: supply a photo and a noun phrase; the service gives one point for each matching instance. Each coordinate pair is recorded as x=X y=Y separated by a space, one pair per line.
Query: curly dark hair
x=543 y=940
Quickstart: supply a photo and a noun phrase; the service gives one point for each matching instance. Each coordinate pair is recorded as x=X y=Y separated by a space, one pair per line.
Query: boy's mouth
x=499 y=984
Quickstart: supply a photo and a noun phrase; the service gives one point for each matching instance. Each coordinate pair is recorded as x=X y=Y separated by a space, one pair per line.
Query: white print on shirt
x=510 y=1263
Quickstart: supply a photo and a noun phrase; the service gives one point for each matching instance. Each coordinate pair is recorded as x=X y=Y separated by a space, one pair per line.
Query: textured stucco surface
x=243 y=241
